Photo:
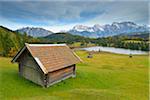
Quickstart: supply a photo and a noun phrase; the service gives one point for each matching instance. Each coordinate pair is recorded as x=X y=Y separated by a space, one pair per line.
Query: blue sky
x=63 y=14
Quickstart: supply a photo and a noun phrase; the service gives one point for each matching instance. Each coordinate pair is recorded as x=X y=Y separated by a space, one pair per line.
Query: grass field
x=106 y=76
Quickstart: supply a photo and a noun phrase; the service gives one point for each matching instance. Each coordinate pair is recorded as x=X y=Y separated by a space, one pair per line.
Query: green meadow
x=106 y=76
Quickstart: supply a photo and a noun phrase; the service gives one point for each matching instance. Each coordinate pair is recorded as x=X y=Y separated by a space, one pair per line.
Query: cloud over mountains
x=50 y=14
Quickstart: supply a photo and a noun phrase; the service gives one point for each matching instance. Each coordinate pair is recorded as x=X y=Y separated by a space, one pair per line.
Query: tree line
x=123 y=42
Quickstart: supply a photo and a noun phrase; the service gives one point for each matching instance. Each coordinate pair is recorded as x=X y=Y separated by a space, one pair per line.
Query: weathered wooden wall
x=56 y=76
x=29 y=69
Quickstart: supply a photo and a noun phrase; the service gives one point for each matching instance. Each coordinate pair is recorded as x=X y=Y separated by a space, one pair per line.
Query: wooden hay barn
x=46 y=64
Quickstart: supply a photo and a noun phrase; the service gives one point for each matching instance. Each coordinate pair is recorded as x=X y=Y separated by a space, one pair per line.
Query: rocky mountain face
x=95 y=31
x=35 y=32
x=108 y=29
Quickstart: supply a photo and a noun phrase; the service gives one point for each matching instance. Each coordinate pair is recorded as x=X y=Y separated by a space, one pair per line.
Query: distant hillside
x=11 y=41
x=65 y=37
x=143 y=35
x=8 y=39
x=35 y=32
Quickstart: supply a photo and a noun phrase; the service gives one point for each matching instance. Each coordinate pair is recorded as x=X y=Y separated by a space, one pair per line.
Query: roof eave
x=18 y=54
x=41 y=65
x=80 y=60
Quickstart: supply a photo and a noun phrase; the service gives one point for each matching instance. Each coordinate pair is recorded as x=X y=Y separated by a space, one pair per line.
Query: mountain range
x=108 y=30
x=95 y=31
x=35 y=32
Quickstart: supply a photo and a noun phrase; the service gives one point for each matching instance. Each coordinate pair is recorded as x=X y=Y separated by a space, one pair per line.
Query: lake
x=114 y=50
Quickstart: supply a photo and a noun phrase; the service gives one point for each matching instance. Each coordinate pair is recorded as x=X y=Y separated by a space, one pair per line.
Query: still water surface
x=114 y=50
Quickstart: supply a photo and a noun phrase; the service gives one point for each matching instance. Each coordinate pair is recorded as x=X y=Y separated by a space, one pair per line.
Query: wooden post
x=19 y=69
x=130 y=55
x=45 y=80
x=74 y=70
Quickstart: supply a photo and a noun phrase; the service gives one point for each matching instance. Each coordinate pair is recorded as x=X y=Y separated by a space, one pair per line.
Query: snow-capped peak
x=109 y=29
x=34 y=31
x=98 y=27
x=116 y=24
x=78 y=27
x=81 y=28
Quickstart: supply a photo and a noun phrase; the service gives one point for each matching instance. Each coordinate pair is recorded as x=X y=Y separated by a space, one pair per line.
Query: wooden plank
x=61 y=74
x=30 y=70
x=32 y=75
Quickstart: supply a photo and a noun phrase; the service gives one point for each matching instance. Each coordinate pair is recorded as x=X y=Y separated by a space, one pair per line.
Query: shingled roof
x=50 y=57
